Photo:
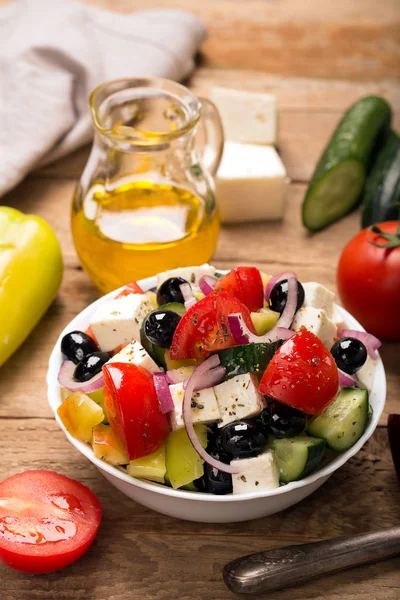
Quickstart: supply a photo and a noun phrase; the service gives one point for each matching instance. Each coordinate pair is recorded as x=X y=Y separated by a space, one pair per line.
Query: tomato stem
x=392 y=239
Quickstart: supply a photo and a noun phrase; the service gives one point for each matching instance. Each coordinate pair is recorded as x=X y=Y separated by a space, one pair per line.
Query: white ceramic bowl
x=207 y=508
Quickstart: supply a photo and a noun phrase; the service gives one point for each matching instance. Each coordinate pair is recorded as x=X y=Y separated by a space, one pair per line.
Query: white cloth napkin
x=54 y=52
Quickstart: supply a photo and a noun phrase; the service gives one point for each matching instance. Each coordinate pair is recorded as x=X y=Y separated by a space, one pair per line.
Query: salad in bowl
x=216 y=383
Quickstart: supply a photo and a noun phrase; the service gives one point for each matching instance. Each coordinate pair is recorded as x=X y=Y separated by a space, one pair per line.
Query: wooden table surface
x=317 y=57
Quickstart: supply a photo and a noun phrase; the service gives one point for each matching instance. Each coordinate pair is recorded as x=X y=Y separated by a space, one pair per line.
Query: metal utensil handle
x=282 y=567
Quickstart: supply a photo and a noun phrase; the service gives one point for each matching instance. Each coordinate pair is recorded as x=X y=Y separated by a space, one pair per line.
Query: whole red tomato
x=368 y=279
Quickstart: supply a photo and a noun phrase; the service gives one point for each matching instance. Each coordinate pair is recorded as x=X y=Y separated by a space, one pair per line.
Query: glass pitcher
x=145 y=201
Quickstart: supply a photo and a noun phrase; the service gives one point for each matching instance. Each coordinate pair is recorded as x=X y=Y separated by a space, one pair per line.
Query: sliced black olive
x=76 y=345
x=349 y=354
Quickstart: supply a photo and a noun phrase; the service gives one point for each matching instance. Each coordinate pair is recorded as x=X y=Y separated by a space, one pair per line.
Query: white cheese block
x=239 y=398
x=246 y=116
x=255 y=474
x=204 y=406
x=118 y=321
x=366 y=374
x=316 y=320
x=250 y=183
x=318 y=296
x=191 y=274
x=339 y=321
x=135 y=354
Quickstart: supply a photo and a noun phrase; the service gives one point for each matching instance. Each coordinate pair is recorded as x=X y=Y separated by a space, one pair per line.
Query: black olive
x=159 y=327
x=243 y=440
x=76 y=345
x=216 y=481
x=281 y=420
x=170 y=291
x=90 y=366
x=278 y=296
x=349 y=354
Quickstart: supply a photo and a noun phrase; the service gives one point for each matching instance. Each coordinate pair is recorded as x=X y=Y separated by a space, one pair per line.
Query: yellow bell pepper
x=31 y=270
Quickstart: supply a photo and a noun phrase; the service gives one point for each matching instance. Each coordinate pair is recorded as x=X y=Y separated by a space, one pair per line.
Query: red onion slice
x=210 y=363
x=163 y=394
x=371 y=342
x=174 y=376
x=242 y=333
x=285 y=333
x=206 y=284
x=187 y=294
x=276 y=279
x=209 y=378
x=66 y=379
x=347 y=380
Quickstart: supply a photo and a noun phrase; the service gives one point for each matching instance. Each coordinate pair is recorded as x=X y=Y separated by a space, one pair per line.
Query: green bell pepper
x=31 y=270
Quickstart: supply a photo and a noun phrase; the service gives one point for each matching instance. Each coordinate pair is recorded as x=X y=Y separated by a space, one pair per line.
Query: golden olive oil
x=139 y=229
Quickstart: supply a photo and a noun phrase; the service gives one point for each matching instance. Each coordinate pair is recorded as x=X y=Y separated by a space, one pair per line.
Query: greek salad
x=218 y=383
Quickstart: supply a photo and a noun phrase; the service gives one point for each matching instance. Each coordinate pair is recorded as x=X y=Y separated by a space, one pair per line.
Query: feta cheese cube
x=366 y=374
x=239 y=398
x=118 y=321
x=255 y=474
x=246 y=116
x=135 y=354
x=204 y=406
x=191 y=274
x=250 y=184
x=316 y=320
x=318 y=296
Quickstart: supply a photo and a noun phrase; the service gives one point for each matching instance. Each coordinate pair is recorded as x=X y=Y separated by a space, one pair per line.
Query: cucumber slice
x=381 y=197
x=297 y=457
x=344 y=421
x=340 y=173
x=176 y=307
x=249 y=358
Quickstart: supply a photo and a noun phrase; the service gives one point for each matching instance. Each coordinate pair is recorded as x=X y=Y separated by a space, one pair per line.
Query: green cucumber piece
x=381 y=197
x=340 y=173
x=344 y=421
x=297 y=457
x=176 y=307
x=156 y=353
x=248 y=358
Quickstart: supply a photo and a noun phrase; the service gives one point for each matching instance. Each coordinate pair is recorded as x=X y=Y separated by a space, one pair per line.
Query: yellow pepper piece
x=177 y=364
x=31 y=270
x=150 y=467
x=108 y=446
x=264 y=320
x=80 y=414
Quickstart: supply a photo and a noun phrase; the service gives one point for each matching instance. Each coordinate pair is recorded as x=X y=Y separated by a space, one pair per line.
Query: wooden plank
x=143 y=551
x=346 y=40
x=271 y=246
x=308 y=112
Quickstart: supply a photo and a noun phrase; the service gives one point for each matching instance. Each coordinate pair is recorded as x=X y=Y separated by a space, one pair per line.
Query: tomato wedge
x=47 y=521
x=245 y=284
x=131 y=288
x=302 y=374
x=204 y=327
x=133 y=410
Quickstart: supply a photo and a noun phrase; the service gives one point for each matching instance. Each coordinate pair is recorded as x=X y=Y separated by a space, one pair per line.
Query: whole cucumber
x=341 y=171
x=381 y=196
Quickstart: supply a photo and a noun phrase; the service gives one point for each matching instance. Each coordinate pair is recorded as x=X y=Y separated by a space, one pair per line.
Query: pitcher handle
x=214 y=134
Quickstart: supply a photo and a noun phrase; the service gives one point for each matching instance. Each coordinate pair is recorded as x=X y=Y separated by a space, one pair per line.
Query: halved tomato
x=47 y=521
x=130 y=288
x=245 y=284
x=133 y=410
x=204 y=328
x=302 y=374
